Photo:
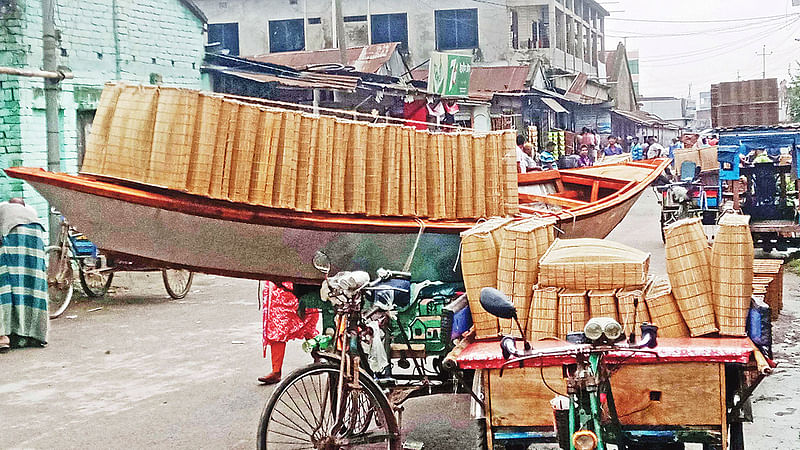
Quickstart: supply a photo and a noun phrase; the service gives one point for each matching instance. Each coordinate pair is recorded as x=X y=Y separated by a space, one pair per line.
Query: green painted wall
x=100 y=41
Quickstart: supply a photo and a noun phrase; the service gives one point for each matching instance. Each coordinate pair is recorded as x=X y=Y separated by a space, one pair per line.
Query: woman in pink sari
x=283 y=322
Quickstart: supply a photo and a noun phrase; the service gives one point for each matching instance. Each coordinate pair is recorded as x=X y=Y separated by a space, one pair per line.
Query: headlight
x=584 y=440
x=612 y=330
x=593 y=330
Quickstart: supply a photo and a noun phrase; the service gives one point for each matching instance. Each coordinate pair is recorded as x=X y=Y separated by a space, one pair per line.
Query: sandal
x=270 y=379
x=5 y=344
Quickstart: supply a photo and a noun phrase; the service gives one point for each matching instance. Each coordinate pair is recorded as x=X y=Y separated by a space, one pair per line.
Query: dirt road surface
x=148 y=372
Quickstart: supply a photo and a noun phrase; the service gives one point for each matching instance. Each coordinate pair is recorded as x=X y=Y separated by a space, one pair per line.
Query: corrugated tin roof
x=367 y=59
x=645 y=118
x=485 y=81
x=306 y=80
x=554 y=105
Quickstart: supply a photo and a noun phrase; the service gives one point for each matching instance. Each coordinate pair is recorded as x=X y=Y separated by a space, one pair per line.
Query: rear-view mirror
x=497 y=304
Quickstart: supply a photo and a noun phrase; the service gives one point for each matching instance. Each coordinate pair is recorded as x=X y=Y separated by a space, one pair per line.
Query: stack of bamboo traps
x=732 y=274
x=543 y=315
x=603 y=303
x=503 y=253
x=593 y=264
x=689 y=270
x=211 y=145
x=573 y=311
x=771 y=268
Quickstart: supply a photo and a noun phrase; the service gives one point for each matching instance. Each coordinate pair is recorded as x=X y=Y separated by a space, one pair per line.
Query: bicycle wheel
x=59 y=281
x=301 y=414
x=94 y=283
x=177 y=282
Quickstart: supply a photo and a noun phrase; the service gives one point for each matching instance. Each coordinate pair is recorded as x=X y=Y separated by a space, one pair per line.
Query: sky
x=705 y=41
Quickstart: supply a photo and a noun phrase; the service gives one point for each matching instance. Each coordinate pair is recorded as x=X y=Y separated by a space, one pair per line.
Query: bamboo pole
x=36 y=73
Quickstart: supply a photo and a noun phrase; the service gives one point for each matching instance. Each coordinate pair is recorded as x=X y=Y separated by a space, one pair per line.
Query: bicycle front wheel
x=59 y=281
x=301 y=413
x=177 y=282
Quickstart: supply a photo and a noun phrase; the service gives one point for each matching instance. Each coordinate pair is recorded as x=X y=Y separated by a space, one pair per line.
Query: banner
x=449 y=74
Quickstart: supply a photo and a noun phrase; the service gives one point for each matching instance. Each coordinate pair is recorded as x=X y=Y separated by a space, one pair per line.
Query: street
x=149 y=372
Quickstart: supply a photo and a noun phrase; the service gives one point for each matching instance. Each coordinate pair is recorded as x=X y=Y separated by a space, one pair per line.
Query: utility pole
x=340 y=38
x=764 y=55
x=51 y=90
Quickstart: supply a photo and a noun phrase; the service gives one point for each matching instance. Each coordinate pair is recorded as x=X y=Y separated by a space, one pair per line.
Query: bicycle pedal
x=413 y=445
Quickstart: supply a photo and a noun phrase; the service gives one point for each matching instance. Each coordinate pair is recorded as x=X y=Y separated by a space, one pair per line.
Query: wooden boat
x=182 y=230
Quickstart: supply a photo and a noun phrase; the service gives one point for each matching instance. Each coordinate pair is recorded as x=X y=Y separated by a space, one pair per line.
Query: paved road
x=148 y=372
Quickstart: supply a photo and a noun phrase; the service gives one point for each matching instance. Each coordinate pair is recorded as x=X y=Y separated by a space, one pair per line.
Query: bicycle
x=333 y=404
x=592 y=416
x=95 y=271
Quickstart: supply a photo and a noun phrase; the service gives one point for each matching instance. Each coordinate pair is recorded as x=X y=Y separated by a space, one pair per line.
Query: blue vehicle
x=758 y=165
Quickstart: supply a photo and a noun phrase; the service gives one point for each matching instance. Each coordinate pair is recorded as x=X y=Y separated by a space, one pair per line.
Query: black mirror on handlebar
x=508 y=346
x=497 y=304
x=649 y=336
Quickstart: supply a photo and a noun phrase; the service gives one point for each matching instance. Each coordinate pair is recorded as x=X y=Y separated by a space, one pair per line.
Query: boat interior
x=572 y=189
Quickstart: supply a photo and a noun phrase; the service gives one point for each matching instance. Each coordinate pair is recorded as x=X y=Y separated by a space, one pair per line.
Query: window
x=456 y=29
x=286 y=35
x=390 y=28
x=350 y=19
x=314 y=20
x=226 y=34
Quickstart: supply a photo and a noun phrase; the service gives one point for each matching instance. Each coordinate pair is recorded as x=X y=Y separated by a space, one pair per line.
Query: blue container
x=82 y=246
x=759 y=326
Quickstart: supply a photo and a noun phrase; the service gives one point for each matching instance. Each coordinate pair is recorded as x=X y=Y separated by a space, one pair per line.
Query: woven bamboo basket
x=376 y=143
x=732 y=274
x=511 y=187
x=243 y=154
x=307 y=148
x=517 y=267
x=491 y=176
x=592 y=264
x=285 y=189
x=173 y=132
x=603 y=303
x=479 y=256
x=101 y=127
x=275 y=142
x=323 y=168
x=356 y=170
x=543 y=314
x=435 y=173
x=663 y=309
x=130 y=135
x=464 y=163
x=202 y=155
x=632 y=309
x=407 y=172
x=420 y=160
x=450 y=175
x=258 y=171
x=341 y=142
x=390 y=188
x=573 y=311
x=478 y=177
x=226 y=133
x=690 y=275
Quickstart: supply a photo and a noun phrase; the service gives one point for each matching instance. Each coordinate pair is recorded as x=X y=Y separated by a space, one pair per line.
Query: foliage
x=794 y=95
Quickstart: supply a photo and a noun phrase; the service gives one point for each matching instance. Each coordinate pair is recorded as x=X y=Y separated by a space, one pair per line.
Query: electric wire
x=744 y=19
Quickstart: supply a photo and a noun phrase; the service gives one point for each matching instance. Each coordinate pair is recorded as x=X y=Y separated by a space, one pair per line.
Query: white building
x=569 y=34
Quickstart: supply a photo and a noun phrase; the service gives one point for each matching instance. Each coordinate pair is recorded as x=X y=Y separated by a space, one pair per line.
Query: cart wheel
x=95 y=284
x=177 y=282
x=663 y=224
x=59 y=281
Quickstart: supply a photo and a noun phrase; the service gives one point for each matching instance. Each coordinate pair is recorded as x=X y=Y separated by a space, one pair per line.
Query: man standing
x=676 y=145
x=613 y=148
x=23 y=279
x=637 y=153
x=547 y=156
x=524 y=162
x=654 y=149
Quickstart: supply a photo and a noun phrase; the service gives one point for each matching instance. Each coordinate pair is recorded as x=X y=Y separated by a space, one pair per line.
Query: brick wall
x=100 y=41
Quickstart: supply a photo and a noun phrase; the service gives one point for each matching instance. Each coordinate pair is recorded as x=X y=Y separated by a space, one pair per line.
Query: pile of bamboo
x=214 y=146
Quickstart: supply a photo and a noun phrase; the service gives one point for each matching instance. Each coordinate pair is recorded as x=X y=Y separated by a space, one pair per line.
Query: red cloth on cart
x=418 y=111
x=281 y=322
x=487 y=355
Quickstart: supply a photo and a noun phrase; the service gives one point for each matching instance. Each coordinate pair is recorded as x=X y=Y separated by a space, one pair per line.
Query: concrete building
x=633 y=65
x=703 y=116
x=670 y=109
x=147 y=41
x=569 y=34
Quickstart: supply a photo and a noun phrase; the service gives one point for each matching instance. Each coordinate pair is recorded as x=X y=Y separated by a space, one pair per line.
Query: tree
x=793 y=93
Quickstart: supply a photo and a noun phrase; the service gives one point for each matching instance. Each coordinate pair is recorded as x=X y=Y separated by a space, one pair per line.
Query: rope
x=407 y=266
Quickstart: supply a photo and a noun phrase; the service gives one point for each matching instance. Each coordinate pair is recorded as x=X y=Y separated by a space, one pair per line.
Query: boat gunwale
x=198 y=205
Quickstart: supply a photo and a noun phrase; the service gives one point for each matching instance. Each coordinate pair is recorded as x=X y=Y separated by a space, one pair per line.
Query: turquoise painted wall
x=100 y=41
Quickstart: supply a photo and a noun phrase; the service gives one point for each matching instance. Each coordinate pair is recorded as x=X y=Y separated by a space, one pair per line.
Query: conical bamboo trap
x=690 y=275
x=543 y=314
x=632 y=309
x=732 y=274
x=480 y=248
x=212 y=145
x=603 y=303
x=663 y=309
x=573 y=311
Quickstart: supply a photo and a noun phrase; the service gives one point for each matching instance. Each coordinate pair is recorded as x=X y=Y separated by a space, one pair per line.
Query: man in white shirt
x=524 y=161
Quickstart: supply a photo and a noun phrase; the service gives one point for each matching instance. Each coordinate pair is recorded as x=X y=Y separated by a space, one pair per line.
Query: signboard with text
x=448 y=74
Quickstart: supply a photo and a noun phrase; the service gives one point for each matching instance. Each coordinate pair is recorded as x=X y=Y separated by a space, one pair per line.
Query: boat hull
x=246 y=250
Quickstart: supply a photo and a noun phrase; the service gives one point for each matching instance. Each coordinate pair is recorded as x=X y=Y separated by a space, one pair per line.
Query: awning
x=554 y=105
